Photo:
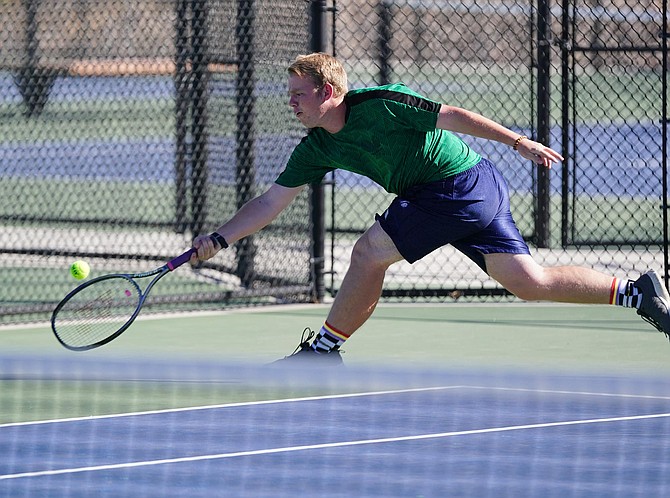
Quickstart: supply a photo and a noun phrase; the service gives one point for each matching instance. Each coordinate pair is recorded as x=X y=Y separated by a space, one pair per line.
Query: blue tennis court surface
x=370 y=433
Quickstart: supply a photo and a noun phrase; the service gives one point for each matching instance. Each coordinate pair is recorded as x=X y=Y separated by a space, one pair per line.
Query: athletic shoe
x=305 y=355
x=655 y=306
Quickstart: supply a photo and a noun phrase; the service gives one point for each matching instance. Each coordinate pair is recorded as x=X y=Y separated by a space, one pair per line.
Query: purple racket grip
x=180 y=260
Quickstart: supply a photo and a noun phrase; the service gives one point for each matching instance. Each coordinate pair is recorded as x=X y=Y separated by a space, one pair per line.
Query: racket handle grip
x=180 y=260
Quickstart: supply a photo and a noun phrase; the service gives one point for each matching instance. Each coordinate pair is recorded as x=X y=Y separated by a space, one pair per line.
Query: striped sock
x=624 y=293
x=328 y=339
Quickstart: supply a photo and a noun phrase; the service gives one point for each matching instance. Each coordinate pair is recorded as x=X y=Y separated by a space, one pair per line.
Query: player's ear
x=328 y=91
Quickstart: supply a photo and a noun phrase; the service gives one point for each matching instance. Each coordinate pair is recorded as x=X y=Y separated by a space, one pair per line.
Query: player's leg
x=499 y=249
x=359 y=293
x=528 y=280
x=356 y=298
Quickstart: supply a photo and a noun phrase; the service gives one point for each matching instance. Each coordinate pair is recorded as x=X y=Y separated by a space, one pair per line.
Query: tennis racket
x=100 y=310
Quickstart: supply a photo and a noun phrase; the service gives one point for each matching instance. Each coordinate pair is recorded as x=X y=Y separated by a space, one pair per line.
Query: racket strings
x=97 y=312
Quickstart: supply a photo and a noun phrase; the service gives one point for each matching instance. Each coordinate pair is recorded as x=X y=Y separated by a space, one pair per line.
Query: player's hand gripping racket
x=98 y=311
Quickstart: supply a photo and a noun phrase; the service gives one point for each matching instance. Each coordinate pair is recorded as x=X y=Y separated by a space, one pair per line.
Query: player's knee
x=366 y=255
x=520 y=275
x=362 y=253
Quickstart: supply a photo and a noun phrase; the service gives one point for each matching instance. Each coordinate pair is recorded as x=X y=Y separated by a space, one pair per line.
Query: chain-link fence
x=584 y=76
x=129 y=127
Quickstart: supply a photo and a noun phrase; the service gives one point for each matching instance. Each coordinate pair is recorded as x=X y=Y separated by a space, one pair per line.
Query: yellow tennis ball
x=80 y=270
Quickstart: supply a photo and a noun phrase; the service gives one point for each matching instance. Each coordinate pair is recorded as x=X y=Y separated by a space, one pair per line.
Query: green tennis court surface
x=503 y=335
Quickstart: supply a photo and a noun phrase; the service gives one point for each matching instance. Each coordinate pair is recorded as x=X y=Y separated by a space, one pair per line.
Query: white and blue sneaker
x=655 y=306
x=304 y=355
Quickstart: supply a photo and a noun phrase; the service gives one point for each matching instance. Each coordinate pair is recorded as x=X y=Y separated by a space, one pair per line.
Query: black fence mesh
x=127 y=129
x=615 y=107
x=130 y=128
x=585 y=77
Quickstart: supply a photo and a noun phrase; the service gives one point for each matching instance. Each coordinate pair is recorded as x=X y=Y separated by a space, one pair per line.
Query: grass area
x=128 y=119
x=101 y=200
x=98 y=200
x=104 y=201
x=89 y=120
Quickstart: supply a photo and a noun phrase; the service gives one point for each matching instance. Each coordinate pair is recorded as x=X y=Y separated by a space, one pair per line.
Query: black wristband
x=216 y=236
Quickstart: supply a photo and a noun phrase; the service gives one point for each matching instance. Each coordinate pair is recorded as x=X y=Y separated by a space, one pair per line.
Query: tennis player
x=446 y=194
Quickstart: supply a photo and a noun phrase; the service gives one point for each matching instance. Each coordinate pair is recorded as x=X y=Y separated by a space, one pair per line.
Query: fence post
x=245 y=130
x=566 y=55
x=543 y=199
x=34 y=82
x=385 y=34
x=182 y=83
x=199 y=128
x=317 y=193
x=665 y=34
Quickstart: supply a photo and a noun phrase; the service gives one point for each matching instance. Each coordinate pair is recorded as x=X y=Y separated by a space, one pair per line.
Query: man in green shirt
x=389 y=136
x=446 y=194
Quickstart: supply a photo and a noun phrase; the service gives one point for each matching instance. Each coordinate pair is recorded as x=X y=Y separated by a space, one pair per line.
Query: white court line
x=340 y=444
x=326 y=397
x=572 y=393
x=233 y=405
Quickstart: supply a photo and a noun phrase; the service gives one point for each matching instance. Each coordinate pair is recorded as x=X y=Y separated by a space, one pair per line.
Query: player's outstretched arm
x=470 y=123
x=254 y=215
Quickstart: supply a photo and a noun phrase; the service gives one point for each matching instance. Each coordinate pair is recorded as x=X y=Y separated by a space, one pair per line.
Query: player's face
x=306 y=100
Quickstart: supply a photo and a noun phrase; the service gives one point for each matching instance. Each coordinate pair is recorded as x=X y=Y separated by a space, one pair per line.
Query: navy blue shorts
x=469 y=210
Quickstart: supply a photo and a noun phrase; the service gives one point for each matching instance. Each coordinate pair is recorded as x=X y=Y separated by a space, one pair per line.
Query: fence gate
x=614 y=120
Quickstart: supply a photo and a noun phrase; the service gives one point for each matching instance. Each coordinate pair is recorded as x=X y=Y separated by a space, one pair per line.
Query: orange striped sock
x=624 y=293
x=613 y=290
x=329 y=338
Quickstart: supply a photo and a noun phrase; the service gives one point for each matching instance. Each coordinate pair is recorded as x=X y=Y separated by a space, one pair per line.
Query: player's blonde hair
x=322 y=68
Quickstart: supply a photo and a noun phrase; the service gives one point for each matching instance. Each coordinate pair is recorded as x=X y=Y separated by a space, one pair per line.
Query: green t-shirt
x=389 y=136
